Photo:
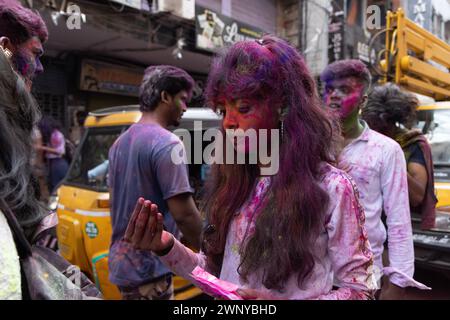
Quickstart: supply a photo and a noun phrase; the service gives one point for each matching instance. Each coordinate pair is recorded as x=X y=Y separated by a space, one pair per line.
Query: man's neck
x=153 y=117
x=351 y=128
x=392 y=132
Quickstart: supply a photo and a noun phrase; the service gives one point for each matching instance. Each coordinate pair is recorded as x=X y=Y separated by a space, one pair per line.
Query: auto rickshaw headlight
x=53 y=202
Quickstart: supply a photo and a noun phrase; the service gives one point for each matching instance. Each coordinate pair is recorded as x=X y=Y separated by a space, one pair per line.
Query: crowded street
x=216 y=150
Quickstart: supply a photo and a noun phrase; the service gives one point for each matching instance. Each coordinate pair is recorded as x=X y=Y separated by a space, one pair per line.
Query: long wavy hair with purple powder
x=292 y=214
x=19 y=112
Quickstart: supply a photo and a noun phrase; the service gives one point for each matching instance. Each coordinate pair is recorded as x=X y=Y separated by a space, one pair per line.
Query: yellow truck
x=419 y=62
x=82 y=199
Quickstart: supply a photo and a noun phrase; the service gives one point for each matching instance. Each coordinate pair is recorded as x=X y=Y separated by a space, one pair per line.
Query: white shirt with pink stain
x=342 y=251
x=378 y=167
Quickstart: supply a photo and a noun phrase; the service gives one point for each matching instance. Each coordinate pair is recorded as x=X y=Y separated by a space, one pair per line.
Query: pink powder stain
x=240 y=232
x=250 y=213
x=346 y=92
x=349 y=104
x=214 y=286
x=363 y=179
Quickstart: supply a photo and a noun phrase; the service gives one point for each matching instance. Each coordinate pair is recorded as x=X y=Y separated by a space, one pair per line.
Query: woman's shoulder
x=10 y=286
x=335 y=181
x=331 y=173
x=343 y=194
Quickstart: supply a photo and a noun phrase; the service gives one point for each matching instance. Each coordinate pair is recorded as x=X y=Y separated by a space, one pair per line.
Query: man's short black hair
x=162 y=78
x=345 y=69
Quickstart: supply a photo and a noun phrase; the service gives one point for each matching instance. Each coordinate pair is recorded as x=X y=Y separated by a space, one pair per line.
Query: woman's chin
x=240 y=148
x=245 y=149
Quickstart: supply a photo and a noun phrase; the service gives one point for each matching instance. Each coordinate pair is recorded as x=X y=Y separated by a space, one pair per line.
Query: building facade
x=97 y=50
x=330 y=30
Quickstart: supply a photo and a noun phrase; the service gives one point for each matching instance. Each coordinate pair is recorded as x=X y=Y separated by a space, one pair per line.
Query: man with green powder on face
x=377 y=165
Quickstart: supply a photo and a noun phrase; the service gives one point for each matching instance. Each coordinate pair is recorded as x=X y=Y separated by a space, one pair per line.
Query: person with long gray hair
x=18 y=188
x=22 y=33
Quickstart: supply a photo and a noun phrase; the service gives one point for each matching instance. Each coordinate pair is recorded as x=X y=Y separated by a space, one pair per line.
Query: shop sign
x=181 y=8
x=214 y=31
x=363 y=53
x=109 y=78
x=336 y=29
x=420 y=12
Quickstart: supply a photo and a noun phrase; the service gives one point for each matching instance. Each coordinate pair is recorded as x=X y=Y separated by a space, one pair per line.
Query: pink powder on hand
x=213 y=286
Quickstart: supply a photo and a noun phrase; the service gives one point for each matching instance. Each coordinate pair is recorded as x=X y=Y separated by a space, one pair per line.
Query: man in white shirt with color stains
x=377 y=166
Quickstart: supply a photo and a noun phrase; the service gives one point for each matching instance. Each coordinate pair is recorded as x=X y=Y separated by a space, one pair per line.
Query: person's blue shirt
x=140 y=165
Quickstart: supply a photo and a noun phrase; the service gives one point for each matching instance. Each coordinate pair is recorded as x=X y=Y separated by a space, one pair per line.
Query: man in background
x=140 y=165
x=377 y=165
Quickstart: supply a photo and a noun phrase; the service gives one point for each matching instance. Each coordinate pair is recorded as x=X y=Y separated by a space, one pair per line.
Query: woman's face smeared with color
x=344 y=96
x=248 y=115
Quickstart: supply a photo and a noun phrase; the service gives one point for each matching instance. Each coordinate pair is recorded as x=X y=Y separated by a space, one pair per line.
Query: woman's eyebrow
x=250 y=101
x=344 y=86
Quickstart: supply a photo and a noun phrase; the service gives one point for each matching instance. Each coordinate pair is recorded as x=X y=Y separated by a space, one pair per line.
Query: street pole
x=344 y=37
x=302 y=25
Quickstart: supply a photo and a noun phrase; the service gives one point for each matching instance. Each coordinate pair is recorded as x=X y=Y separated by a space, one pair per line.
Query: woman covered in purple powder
x=291 y=235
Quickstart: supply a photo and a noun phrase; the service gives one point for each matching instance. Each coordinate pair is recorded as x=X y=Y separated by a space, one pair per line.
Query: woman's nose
x=229 y=121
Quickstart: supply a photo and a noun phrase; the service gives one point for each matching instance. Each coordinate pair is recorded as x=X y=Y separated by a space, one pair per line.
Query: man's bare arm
x=186 y=215
x=417 y=183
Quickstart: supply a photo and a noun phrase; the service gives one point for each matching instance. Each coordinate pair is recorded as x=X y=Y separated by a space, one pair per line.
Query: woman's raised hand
x=145 y=231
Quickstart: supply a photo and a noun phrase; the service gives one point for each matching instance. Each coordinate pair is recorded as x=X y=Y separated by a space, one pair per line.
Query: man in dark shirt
x=415 y=154
x=391 y=111
x=140 y=165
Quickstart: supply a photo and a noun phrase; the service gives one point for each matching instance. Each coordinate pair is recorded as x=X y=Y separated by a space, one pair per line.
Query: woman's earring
x=7 y=52
x=283 y=113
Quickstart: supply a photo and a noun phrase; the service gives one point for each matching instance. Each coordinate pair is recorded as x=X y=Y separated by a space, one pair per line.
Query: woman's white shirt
x=10 y=280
